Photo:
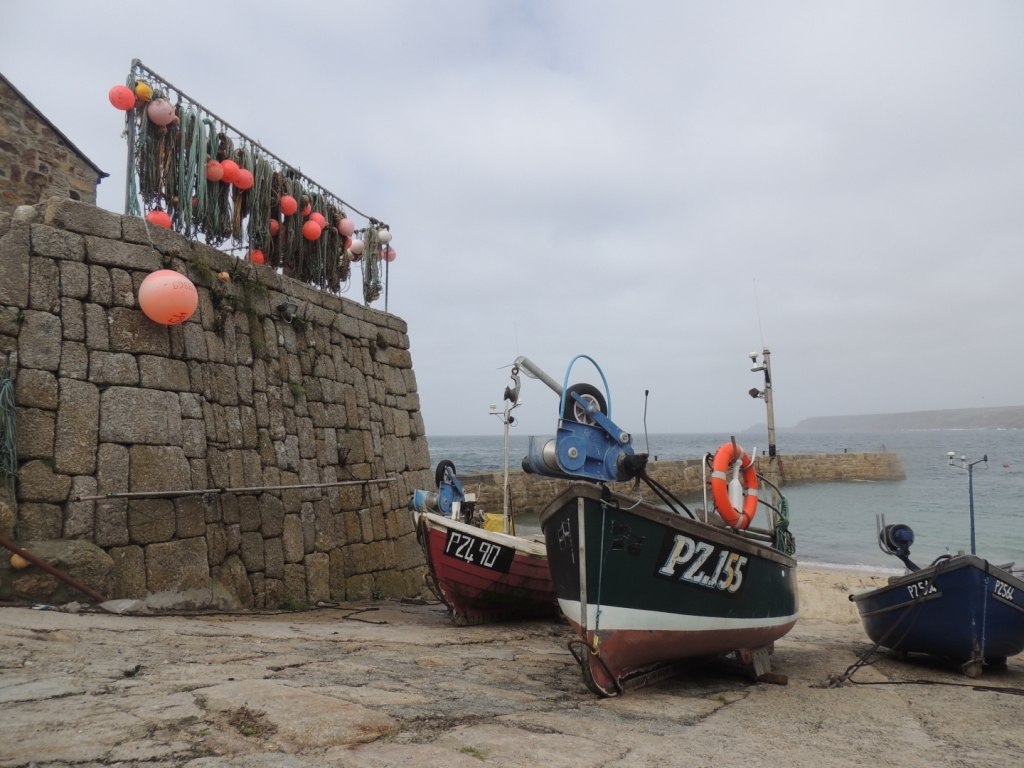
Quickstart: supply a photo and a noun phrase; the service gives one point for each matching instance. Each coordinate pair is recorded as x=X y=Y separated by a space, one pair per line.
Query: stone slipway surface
x=391 y=684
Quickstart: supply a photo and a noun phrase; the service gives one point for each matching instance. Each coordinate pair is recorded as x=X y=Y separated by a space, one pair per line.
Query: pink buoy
x=318 y=218
x=160 y=112
x=167 y=297
x=311 y=230
x=388 y=254
x=160 y=218
x=121 y=96
x=356 y=248
x=214 y=171
x=274 y=226
x=289 y=205
x=346 y=227
x=230 y=171
x=244 y=180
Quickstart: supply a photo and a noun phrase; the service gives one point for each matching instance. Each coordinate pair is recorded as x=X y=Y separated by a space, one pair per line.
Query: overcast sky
x=612 y=179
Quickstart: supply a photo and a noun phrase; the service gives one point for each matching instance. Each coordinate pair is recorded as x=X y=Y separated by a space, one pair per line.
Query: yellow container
x=494 y=523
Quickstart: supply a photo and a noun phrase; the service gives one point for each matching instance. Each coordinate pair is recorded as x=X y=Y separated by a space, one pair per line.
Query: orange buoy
x=18 y=562
x=289 y=205
x=167 y=297
x=725 y=457
x=346 y=227
x=214 y=171
x=274 y=226
x=311 y=230
x=318 y=218
x=122 y=97
x=224 y=277
x=256 y=256
x=143 y=91
x=244 y=180
x=306 y=210
x=230 y=171
x=160 y=218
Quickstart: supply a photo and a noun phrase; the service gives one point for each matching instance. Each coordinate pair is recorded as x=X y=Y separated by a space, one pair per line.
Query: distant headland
x=1005 y=417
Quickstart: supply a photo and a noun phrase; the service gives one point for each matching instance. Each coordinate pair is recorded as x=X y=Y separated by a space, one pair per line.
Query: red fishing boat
x=481 y=575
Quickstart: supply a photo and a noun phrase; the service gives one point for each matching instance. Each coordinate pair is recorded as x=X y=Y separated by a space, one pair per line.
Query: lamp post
x=970 y=485
x=766 y=393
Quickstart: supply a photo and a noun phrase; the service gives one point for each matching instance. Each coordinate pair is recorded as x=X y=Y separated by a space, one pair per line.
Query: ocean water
x=834 y=523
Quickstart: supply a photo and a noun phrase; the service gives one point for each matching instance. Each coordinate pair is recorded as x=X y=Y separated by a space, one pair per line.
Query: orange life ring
x=724 y=458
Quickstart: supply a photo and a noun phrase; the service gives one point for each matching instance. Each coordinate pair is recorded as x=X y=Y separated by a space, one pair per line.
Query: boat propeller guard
x=727 y=495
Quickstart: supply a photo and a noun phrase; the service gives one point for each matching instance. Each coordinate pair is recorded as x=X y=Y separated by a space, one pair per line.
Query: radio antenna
x=757 y=302
x=646 y=393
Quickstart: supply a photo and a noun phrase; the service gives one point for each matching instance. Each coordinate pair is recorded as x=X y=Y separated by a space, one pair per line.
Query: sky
x=665 y=187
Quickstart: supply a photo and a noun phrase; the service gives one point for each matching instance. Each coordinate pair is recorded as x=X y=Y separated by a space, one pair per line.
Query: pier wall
x=531 y=492
x=236 y=397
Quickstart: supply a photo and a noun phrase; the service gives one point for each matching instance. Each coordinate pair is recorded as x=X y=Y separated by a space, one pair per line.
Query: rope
x=8 y=428
x=784 y=540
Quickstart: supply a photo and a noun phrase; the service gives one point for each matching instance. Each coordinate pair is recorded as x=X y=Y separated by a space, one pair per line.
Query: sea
x=834 y=523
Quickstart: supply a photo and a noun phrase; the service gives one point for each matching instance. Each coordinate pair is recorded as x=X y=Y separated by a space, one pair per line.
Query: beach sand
x=387 y=683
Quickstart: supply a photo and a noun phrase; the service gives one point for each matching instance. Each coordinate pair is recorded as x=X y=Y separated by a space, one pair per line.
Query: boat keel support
x=759 y=664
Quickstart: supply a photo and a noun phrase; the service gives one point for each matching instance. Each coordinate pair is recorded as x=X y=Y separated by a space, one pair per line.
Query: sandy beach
x=389 y=683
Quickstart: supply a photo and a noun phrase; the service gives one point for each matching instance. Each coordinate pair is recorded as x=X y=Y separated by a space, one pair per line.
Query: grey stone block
x=38 y=482
x=40 y=522
x=112 y=468
x=113 y=368
x=271 y=515
x=72 y=319
x=81 y=217
x=136 y=229
x=97 y=331
x=79 y=516
x=159 y=468
x=292 y=539
x=129 y=574
x=164 y=373
x=44 y=285
x=77 y=427
x=74 y=280
x=150 y=520
x=39 y=341
x=190 y=512
x=140 y=416
x=177 y=565
x=14 y=266
x=113 y=253
x=131 y=331
x=111 y=523
x=34 y=433
x=273 y=558
x=193 y=437
x=216 y=544
x=252 y=551
x=318 y=575
x=56 y=243
x=100 y=289
x=231 y=575
x=36 y=388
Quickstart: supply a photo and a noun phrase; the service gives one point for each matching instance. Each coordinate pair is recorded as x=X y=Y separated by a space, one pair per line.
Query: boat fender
x=727 y=455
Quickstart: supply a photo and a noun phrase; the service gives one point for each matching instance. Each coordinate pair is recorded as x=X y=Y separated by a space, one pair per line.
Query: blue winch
x=588 y=444
x=450 y=497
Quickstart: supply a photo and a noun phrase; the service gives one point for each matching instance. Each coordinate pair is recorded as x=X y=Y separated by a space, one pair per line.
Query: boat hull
x=483 y=576
x=659 y=587
x=964 y=609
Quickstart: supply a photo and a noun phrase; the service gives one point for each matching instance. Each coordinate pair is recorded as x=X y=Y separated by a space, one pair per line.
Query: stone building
x=37 y=161
x=241 y=396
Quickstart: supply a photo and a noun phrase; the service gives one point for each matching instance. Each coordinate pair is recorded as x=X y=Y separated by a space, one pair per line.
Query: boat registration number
x=701 y=563
x=920 y=589
x=1004 y=590
x=470 y=549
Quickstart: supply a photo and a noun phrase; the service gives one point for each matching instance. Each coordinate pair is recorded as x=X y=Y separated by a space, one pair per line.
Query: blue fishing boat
x=961 y=607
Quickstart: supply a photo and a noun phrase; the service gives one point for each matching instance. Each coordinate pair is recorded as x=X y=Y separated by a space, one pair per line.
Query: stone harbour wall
x=109 y=401
x=530 y=493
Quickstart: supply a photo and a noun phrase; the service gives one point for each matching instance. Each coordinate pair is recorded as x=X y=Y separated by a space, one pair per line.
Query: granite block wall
x=236 y=397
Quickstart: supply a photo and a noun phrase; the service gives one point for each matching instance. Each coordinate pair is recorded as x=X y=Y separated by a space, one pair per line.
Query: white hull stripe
x=614 y=617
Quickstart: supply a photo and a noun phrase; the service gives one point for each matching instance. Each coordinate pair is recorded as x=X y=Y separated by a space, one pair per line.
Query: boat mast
x=772 y=472
x=511 y=400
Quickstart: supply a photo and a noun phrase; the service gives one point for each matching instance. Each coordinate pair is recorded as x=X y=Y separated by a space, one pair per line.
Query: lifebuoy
x=725 y=457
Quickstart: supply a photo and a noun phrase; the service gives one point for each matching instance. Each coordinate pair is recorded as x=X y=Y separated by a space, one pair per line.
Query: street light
x=970 y=485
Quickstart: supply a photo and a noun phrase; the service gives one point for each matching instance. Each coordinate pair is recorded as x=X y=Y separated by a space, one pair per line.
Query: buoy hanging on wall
x=256 y=256
x=311 y=230
x=143 y=91
x=214 y=171
x=388 y=254
x=160 y=218
x=289 y=205
x=244 y=180
x=167 y=297
x=160 y=112
x=274 y=226
x=357 y=250
x=230 y=171
x=346 y=227
x=384 y=236
x=318 y=218
x=121 y=96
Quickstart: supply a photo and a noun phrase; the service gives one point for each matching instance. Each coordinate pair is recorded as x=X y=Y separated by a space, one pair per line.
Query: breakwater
x=531 y=492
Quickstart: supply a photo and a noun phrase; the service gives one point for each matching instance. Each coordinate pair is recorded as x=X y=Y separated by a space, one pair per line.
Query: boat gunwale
x=522 y=546
x=961 y=562
x=669 y=519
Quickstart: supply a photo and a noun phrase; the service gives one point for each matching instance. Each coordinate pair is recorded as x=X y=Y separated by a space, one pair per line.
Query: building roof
x=70 y=144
